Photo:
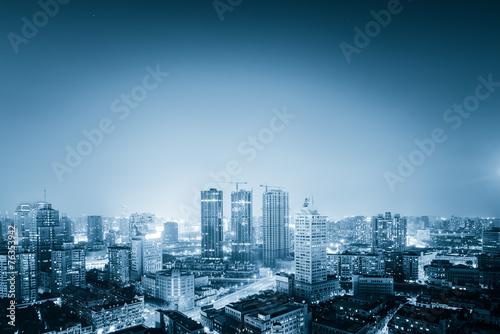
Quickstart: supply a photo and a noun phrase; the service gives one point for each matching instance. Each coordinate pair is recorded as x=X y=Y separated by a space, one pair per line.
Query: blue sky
x=225 y=79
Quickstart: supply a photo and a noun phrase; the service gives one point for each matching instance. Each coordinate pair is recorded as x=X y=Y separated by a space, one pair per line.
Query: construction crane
x=266 y=186
x=236 y=183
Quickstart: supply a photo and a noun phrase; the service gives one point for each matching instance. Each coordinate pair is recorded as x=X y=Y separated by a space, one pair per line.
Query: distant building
x=174 y=287
x=275 y=226
x=95 y=233
x=50 y=235
x=389 y=233
x=241 y=225
x=414 y=264
x=347 y=264
x=146 y=255
x=26 y=227
x=119 y=264
x=174 y=322
x=141 y=223
x=170 y=234
x=211 y=224
x=372 y=285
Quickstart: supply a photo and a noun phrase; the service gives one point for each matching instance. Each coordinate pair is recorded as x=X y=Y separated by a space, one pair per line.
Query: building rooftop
x=182 y=320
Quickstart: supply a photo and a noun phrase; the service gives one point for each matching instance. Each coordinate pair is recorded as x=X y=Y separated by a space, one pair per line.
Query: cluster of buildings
x=359 y=275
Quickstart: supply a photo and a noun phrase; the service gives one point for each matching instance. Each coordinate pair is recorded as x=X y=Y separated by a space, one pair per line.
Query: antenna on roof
x=44 y=195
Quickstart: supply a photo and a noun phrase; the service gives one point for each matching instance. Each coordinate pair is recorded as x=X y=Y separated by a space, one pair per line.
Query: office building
x=491 y=241
x=50 y=234
x=311 y=282
x=372 y=285
x=347 y=264
x=275 y=226
x=172 y=286
x=211 y=224
x=389 y=233
x=26 y=227
x=174 y=322
x=289 y=318
x=170 y=234
x=95 y=233
x=119 y=264
x=68 y=267
x=414 y=264
x=141 y=223
x=21 y=281
x=241 y=225
x=146 y=255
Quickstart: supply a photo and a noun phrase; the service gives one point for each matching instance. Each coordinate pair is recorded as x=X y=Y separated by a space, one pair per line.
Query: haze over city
x=353 y=116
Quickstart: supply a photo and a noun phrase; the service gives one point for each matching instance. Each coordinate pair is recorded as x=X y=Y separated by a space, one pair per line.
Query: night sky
x=349 y=122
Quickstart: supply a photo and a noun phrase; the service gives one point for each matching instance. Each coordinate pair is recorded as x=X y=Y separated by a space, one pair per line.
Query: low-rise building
x=174 y=322
x=372 y=285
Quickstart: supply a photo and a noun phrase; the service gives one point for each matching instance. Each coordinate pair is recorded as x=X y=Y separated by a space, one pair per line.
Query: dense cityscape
x=272 y=270
x=249 y=167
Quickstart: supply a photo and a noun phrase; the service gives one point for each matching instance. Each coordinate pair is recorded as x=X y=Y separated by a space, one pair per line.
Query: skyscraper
x=211 y=224
x=491 y=239
x=310 y=246
x=50 y=234
x=94 y=231
x=26 y=227
x=241 y=222
x=310 y=256
x=119 y=264
x=68 y=229
x=389 y=233
x=275 y=225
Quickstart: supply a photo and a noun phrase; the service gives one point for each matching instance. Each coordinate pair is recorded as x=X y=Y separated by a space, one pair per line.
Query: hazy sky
x=226 y=81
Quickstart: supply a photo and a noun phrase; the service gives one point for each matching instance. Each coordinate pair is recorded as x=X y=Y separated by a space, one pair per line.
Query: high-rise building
x=50 y=234
x=68 y=267
x=119 y=264
x=170 y=233
x=241 y=222
x=275 y=226
x=22 y=276
x=95 y=234
x=26 y=227
x=310 y=246
x=211 y=224
x=310 y=256
x=491 y=239
x=389 y=233
x=68 y=229
x=146 y=255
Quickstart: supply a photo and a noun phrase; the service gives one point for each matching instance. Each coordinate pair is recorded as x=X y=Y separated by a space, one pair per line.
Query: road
x=252 y=289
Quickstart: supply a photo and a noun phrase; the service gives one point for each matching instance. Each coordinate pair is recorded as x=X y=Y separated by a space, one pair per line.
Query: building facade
x=275 y=226
x=211 y=224
x=241 y=225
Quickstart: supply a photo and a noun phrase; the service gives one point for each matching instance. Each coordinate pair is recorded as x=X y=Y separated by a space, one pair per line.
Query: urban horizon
x=249 y=167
